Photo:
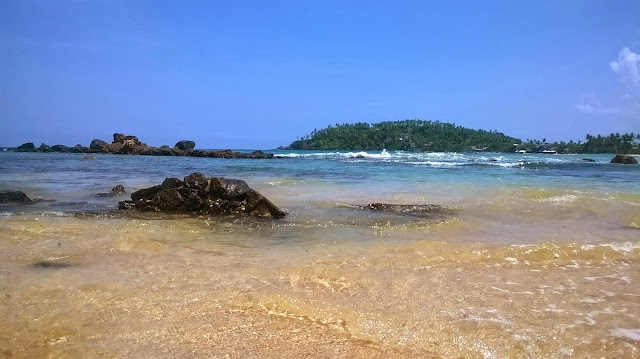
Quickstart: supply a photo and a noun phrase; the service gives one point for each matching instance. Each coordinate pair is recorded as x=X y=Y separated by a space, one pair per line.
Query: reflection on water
x=525 y=269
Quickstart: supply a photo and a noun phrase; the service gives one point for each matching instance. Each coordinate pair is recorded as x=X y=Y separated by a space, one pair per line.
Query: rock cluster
x=199 y=194
x=126 y=144
x=625 y=160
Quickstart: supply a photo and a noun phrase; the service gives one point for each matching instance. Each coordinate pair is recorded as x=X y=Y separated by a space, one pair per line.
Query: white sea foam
x=633 y=334
x=567 y=198
x=435 y=159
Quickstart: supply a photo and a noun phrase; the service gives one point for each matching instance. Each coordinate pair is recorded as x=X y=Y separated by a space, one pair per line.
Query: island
x=435 y=136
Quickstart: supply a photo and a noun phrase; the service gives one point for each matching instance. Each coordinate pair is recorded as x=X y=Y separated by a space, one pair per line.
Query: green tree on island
x=419 y=135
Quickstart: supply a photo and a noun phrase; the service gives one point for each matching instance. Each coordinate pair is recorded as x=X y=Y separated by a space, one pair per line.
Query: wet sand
x=99 y=286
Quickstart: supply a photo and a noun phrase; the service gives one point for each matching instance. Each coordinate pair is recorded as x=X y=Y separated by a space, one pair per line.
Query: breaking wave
x=448 y=159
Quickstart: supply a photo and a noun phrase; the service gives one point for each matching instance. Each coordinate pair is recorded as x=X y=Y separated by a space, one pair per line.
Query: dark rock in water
x=228 y=188
x=220 y=154
x=588 y=160
x=155 y=151
x=125 y=144
x=14 y=197
x=172 y=183
x=358 y=157
x=114 y=147
x=119 y=137
x=185 y=145
x=51 y=264
x=259 y=154
x=199 y=194
x=89 y=157
x=118 y=189
x=624 y=159
x=79 y=149
x=115 y=191
x=98 y=144
x=44 y=148
x=426 y=210
x=197 y=153
x=60 y=148
x=26 y=147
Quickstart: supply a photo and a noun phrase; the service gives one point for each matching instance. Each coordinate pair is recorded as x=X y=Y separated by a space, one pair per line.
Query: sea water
x=537 y=256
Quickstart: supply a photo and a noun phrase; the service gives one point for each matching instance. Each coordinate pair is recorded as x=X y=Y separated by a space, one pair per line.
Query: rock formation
x=199 y=194
x=26 y=147
x=14 y=197
x=624 y=159
x=98 y=144
x=127 y=144
x=115 y=191
x=185 y=145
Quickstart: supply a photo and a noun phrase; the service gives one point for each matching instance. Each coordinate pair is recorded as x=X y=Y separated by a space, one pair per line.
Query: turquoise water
x=535 y=196
x=538 y=256
x=69 y=177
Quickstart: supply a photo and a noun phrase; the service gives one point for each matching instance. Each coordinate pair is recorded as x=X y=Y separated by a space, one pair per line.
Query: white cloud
x=627 y=66
x=624 y=102
x=597 y=110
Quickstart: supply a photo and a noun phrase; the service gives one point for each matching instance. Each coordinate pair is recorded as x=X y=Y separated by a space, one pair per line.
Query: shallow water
x=539 y=257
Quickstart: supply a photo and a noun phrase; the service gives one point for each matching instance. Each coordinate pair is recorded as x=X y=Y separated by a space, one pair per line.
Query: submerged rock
x=588 y=160
x=14 y=197
x=49 y=264
x=422 y=210
x=115 y=191
x=624 y=159
x=199 y=194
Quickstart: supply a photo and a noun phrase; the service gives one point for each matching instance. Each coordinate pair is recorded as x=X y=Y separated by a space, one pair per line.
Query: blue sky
x=259 y=74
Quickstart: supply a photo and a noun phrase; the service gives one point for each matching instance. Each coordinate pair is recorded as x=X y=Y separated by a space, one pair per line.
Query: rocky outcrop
x=14 y=197
x=44 y=148
x=199 y=194
x=60 y=148
x=115 y=191
x=185 y=145
x=127 y=144
x=625 y=160
x=26 y=147
x=98 y=144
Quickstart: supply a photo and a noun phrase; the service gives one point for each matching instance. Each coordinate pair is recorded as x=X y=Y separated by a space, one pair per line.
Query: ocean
x=536 y=256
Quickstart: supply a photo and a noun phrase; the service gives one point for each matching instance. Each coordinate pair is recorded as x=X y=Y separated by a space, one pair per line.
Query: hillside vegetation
x=418 y=135
x=408 y=135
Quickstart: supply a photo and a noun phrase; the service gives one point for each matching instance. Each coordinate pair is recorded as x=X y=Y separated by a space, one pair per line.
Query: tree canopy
x=407 y=135
x=419 y=135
